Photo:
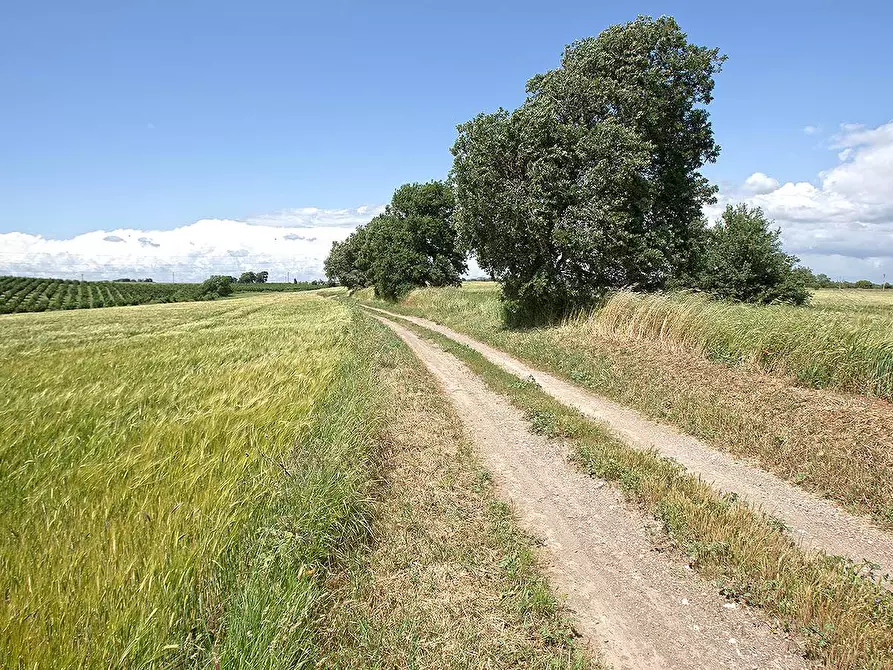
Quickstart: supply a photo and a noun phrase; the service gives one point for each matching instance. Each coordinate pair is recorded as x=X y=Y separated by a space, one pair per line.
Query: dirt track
x=642 y=607
x=816 y=523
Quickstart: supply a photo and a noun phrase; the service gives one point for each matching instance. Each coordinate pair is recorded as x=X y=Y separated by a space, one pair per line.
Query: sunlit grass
x=846 y=343
x=173 y=477
x=839 y=445
x=846 y=620
x=843 y=341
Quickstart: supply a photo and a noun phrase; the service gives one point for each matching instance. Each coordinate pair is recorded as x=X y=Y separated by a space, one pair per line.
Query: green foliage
x=341 y=266
x=217 y=286
x=413 y=243
x=26 y=294
x=593 y=182
x=254 y=277
x=743 y=260
x=280 y=287
x=821 y=280
x=863 y=283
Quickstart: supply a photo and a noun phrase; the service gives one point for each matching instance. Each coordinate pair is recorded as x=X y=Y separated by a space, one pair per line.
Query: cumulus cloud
x=842 y=223
x=760 y=183
x=811 y=130
x=191 y=252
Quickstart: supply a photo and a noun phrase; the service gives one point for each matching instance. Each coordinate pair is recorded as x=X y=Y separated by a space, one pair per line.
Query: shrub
x=215 y=287
x=743 y=260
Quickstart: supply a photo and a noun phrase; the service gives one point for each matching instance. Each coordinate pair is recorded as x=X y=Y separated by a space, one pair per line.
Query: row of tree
x=592 y=184
x=413 y=243
x=252 y=277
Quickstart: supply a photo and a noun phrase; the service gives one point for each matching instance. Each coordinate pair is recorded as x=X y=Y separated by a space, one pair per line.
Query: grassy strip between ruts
x=838 y=445
x=445 y=579
x=846 y=619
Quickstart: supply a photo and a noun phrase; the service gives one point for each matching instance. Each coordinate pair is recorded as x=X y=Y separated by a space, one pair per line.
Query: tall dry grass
x=832 y=346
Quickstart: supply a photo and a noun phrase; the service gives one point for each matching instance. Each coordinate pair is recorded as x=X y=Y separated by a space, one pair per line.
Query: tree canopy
x=254 y=277
x=594 y=182
x=413 y=243
x=342 y=264
x=216 y=286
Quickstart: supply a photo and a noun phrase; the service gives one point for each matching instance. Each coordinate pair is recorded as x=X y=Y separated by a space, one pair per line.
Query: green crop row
x=25 y=294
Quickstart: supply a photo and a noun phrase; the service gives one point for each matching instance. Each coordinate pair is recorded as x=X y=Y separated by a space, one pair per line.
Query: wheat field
x=172 y=473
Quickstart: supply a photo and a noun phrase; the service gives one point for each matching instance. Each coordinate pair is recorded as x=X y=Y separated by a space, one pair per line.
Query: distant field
x=277 y=287
x=855 y=300
x=24 y=294
x=172 y=472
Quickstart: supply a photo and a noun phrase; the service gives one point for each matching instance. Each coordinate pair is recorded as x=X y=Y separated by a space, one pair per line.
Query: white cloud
x=843 y=223
x=760 y=183
x=192 y=252
x=811 y=130
x=312 y=217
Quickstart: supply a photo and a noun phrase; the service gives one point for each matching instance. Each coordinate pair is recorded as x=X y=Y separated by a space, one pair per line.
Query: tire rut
x=642 y=607
x=815 y=523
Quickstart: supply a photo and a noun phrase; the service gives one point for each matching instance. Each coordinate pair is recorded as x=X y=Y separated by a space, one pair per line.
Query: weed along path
x=642 y=607
x=814 y=522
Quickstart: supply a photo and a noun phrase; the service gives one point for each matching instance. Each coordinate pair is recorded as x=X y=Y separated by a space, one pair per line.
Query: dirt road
x=814 y=522
x=642 y=607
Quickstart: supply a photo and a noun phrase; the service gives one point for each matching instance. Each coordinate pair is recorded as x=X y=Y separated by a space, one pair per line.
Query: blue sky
x=142 y=118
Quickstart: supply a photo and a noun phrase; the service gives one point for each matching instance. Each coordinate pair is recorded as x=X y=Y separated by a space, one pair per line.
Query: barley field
x=175 y=478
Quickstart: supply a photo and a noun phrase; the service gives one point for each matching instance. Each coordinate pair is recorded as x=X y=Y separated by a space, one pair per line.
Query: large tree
x=413 y=243
x=594 y=182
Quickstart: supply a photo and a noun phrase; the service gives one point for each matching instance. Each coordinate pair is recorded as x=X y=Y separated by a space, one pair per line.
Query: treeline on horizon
x=592 y=185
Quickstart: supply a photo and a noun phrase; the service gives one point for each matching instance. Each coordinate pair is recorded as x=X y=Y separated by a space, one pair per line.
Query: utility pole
x=172 y=278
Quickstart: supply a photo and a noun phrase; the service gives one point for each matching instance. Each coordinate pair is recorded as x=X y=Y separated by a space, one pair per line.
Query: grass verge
x=846 y=619
x=837 y=445
x=446 y=579
x=848 y=350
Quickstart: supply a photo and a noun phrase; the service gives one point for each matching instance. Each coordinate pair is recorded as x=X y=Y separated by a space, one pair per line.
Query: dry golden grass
x=839 y=445
x=448 y=580
x=844 y=345
x=846 y=620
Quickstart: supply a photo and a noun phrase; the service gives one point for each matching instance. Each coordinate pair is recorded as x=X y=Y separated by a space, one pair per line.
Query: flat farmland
x=142 y=483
